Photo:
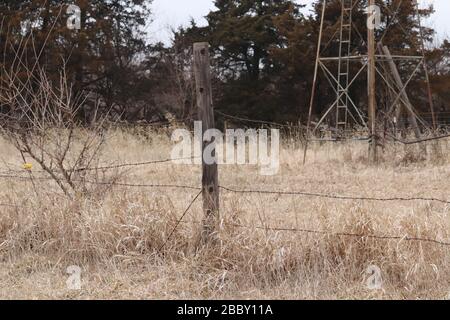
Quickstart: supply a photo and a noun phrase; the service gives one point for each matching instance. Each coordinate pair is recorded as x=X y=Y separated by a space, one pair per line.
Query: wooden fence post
x=372 y=99
x=405 y=99
x=210 y=176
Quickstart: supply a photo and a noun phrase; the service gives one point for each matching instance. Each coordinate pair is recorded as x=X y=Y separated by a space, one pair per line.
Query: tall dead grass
x=114 y=236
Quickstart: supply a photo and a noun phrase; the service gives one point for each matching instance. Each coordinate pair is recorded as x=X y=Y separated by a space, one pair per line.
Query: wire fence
x=260 y=122
x=349 y=134
x=114 y=166
x=405 y=238
x=434 y=138
x=240 y=191
x=227 y=189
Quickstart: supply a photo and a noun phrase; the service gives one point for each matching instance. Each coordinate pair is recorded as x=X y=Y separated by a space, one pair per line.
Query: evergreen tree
x=100 y=57
x=243 y=36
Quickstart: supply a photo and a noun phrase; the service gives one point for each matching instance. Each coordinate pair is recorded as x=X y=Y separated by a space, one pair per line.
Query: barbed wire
x=110 y=167
x=258 y=121
x=145 y=163
x=284 y=229
x=326 y=233
x=335 y=197
x=105 y=183
x=179 y=221
x=278 y=229
x=346 y=234
x=419 y=140
x=246 y=191
x=136 y=164
x=241 y=119
x=243 y=191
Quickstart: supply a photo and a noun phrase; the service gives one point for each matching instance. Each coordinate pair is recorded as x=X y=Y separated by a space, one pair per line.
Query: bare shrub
x=41 y=123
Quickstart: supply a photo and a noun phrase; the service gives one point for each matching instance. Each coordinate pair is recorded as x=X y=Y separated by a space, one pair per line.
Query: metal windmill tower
x=341 y=73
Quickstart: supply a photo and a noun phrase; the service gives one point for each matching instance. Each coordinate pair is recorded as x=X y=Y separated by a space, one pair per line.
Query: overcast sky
x=172 y=13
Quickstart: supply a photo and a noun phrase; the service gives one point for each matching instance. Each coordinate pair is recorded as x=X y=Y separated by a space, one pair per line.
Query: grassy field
x=113 y=234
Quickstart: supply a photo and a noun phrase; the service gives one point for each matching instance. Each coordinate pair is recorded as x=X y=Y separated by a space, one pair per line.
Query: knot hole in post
x=202 y=90
x=203 y=51
x=210 y=189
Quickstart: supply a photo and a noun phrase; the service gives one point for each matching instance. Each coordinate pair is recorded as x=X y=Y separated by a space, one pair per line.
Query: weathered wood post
x=210 y=176
x=372 y=103
x=405 y=99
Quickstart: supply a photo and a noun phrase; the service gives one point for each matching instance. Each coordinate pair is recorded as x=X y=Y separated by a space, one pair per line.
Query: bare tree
x=40 y=120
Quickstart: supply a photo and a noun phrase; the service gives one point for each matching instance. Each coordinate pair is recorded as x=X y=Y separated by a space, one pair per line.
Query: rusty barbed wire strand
x=417 y=141
x=242 y=191
x=248 y=191
x=346 y=234
x=330 y=233
x=136 y=164
x=336 y=197
x=258 y=121
x=286 y=229
x=179 y=221
x=329 y=140
x=111 y=167
x=279 y=229
x=119 y=184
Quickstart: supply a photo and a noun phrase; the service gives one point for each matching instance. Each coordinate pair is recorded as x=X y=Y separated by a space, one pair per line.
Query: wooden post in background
x=210 y=176
x=405 y=99
x=372 y=103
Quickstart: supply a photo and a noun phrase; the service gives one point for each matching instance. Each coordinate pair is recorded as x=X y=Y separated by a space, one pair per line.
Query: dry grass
x=114 y=235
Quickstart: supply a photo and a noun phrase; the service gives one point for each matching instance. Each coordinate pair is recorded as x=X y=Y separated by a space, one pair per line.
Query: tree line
x=263 y=54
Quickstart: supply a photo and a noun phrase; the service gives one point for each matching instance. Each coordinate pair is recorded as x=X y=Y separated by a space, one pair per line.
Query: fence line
x=258 y=121
x=111 y=167
x=119 y=184
x=336 y=197
x=279 y=229
x=241 y=191
x=323 y=232
x=242 y=119
x=353 y=235
x=294 y=230
x=29 y=178
x=329 y=140
x=418 y=141
x=136 y=164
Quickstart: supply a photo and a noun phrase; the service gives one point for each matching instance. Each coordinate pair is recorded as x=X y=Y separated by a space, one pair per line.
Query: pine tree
x=244 y=36
x=99 y=58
